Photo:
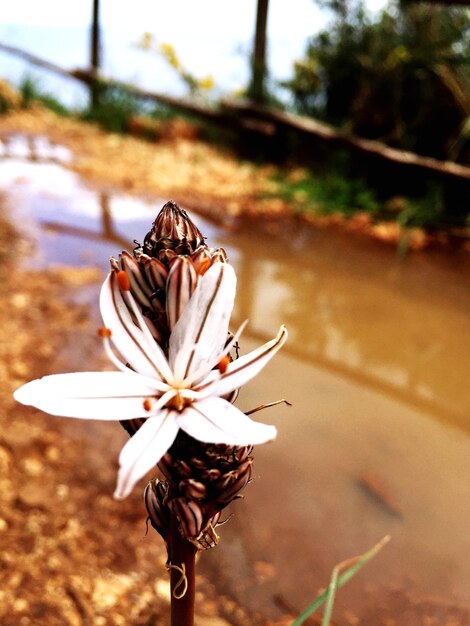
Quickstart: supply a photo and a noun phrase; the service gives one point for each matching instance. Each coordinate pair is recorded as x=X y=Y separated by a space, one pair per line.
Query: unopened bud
x=218 y=256
x=192 y=488
x=172 y=229
x=155 y=502
x=155 y=271
x=137 y=283
x=181 y=283
x=189 y=515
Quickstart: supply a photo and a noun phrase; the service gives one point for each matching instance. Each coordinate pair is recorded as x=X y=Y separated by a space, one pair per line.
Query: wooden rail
x=369 y=147
x=263 y=120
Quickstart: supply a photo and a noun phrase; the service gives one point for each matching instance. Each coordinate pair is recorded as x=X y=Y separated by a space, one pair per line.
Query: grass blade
x=352 y=567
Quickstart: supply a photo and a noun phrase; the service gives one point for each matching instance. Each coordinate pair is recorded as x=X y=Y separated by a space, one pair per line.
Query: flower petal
x=242 y=369
x=145 y=356
x=144 y=450
x=215 y=420
x=200 y=334
x=180 y=285
x=89 y=395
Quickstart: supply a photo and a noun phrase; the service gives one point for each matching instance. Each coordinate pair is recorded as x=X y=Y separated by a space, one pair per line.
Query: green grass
x=31 y=91
x=325 y=195
x=349 y=568
x=113 y=110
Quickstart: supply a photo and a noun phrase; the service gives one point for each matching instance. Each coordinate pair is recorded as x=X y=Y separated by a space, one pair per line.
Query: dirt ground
x=69 y=553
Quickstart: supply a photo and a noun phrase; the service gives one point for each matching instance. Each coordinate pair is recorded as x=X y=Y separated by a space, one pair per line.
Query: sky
x=211 y=37
x=184 y=13
x=175 y=14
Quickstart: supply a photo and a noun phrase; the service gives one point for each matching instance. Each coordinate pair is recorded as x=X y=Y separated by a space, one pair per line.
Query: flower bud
x=138 y=285
x=181 y=283
x=189 y=514
x=172 y=230
x=155 y=502
x=155 y=271
x=218 y=256
x=192 y=488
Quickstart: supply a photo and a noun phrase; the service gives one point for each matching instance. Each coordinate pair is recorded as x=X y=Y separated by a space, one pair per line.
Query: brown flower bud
x=189 y=514
x=180 y=285
x=155 y=502
x=155 y=271
x=192 y=488
x=172 y=230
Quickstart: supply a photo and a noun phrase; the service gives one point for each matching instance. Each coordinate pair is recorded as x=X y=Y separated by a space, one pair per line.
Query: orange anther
x=223 y=364
x=147 y=404
x=123 y=281
x=204 y=266
x=104 y=332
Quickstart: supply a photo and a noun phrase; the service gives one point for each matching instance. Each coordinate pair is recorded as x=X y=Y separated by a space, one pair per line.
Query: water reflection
x=106 y=231
x=379 y=347
x=399 y=326
x=33 y=148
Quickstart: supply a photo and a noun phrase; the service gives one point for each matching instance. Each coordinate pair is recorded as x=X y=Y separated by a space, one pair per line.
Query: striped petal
x=139 y=287
x=141 y=351
x=144 y=450
x=199 y=337
x=242 y=369
x=214 y=420
x=89 y=395
x=180 y=286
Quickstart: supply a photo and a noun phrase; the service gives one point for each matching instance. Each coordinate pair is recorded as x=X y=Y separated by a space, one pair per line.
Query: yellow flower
x=146 y=41
x=207 y=82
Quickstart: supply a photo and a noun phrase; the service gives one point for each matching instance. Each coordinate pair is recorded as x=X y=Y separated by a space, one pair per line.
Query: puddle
x=376 y=365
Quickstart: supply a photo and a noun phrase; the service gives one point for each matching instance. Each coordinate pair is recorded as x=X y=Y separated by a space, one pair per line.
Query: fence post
x=257 y=89
x=95 y=53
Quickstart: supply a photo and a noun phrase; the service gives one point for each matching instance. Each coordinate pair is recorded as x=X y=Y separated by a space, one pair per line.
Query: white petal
x=196 y=375
x=243 y=369
x=144 y=356
x=89 y=395
x=200 y=334
x=215 y=420
x=144 y=450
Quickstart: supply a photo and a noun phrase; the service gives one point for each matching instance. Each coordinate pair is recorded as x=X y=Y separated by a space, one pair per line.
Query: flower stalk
x=166 y=310
x=182 y=560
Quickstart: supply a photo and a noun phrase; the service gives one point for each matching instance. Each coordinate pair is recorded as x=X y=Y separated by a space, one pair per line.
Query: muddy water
x=377 y=365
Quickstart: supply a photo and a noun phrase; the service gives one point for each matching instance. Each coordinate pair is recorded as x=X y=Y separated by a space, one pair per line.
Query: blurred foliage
x=10 y=98
x=196 y=86
x=31 y=90
x=426 y=212
x=402 y=78
x=324 y=195
x=113 y=109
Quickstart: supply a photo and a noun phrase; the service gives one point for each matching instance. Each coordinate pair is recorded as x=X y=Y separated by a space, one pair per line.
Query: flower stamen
x=148 y=404
x=123 y=280
x=120 y=365
x=223 y=364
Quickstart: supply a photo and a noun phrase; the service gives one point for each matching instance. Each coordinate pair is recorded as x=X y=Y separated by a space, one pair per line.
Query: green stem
x=182 y=577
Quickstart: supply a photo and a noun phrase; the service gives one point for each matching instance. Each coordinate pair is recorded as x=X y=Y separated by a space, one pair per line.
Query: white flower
x=183 y=391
